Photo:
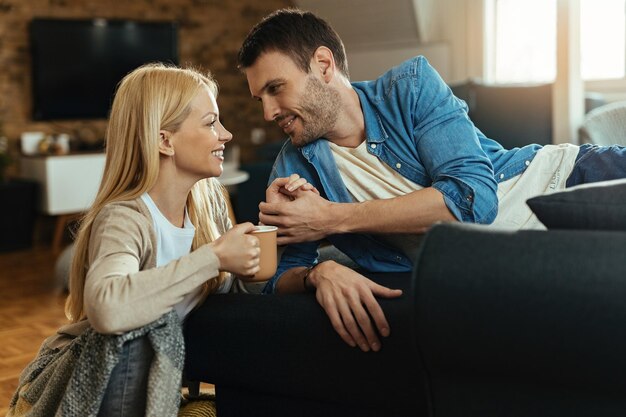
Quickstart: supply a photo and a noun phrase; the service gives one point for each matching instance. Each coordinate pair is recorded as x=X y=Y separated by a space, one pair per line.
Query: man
x=389 y=157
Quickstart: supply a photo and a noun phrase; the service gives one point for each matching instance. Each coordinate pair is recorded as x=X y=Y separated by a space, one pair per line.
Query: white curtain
x=425 y=18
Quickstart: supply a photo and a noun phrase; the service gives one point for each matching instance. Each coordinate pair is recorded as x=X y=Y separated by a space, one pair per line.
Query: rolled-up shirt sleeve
x=295 y=255
x=450 y=151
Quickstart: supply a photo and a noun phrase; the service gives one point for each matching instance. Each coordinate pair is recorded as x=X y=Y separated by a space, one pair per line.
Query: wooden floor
x=31 y=309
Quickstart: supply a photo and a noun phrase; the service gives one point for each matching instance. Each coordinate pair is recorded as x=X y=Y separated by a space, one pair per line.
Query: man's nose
x=270 y=109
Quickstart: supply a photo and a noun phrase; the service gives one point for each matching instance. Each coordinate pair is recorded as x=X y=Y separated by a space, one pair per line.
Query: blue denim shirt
x=414 y=124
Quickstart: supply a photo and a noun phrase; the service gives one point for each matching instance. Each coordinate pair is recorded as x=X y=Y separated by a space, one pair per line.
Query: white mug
x=30 y=142
x=63 y=141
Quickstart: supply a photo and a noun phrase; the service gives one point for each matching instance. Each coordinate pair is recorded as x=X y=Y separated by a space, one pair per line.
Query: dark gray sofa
x=491 y=323
x=514 y=114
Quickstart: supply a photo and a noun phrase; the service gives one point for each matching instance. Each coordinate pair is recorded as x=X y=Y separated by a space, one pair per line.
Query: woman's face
x=200 y=142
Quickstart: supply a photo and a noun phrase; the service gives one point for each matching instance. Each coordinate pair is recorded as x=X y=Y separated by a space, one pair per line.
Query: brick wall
x=210 y=33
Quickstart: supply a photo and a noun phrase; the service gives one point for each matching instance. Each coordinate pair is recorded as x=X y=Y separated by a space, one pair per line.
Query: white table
x=231 y=176
x=69 y=184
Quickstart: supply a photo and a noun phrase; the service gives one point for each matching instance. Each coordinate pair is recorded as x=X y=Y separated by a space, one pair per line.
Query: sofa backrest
x=513 y=115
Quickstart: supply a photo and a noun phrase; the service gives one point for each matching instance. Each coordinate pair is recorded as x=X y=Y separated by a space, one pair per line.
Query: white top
x=368 y=178
x=171 y=243
x=547 y=173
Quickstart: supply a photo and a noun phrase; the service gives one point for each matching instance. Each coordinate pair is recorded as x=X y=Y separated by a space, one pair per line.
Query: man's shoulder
x=396 y=77
x=410 y=67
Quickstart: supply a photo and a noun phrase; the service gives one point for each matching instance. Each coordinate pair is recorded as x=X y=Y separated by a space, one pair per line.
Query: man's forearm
x=410 y=213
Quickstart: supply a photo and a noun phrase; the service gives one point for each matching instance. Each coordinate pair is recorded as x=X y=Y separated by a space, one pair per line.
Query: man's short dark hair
x=295 y=33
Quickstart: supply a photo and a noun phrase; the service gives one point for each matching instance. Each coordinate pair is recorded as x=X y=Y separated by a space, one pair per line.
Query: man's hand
x=348 y=299
x=306 y=217
x=283 y=209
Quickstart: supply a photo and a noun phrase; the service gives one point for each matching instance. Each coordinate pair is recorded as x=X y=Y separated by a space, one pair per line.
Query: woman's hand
x=283 y=189
x=238 y=251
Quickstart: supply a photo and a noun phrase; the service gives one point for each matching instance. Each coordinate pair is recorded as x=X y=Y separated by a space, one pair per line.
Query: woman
x=157 y=239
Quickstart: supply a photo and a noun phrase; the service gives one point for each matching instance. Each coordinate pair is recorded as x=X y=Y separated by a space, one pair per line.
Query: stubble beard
x=320 y=107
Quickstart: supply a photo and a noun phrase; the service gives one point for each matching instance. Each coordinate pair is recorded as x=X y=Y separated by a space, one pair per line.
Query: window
x=603 y=23
x=522 y=45
x=524 y=41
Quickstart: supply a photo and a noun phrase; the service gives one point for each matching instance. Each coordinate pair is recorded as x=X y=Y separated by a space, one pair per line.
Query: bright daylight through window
x=523 y=47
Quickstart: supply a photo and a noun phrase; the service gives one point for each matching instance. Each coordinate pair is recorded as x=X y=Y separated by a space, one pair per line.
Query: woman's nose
x=225 y=134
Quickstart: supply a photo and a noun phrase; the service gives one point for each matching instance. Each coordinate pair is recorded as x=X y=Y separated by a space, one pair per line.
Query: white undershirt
x=368 y=178
x=172 y=243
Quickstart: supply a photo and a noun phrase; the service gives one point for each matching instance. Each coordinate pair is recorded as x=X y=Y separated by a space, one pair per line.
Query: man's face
x=302 y=104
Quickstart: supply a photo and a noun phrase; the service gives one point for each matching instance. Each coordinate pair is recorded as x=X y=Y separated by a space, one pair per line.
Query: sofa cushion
x=599 y=206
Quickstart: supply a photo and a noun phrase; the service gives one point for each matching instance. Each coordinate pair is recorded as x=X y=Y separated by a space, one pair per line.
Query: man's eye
x=273 y=89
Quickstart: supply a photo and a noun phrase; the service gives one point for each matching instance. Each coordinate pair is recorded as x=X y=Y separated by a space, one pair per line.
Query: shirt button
x=373 y=145
x=398 y=165
x=501 y=176
x=527 y=163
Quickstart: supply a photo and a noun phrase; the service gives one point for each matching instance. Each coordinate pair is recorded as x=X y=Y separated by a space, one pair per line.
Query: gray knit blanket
x=71 y=381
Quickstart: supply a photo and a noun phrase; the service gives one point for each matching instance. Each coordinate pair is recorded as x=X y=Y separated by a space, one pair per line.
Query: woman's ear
x=166 y=147
x=324 y=61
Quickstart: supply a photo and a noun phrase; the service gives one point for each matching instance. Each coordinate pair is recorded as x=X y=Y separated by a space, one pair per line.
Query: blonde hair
x=153 y=97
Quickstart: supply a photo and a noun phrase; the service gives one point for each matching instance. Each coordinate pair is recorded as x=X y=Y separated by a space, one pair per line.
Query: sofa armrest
x=284 y=346
x=523 y=323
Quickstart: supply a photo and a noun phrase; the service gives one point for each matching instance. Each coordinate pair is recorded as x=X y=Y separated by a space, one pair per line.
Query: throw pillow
x=598 y=206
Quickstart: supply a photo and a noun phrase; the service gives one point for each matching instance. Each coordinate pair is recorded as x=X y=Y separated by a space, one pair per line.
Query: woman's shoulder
x=126 y=214
x=129 y=208
x=122 y=224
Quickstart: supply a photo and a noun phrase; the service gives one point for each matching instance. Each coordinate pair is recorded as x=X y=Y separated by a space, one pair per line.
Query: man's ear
x=324 y=62
x=166 y=147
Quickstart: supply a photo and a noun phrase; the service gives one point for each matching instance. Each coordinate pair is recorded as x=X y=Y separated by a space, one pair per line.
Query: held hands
x=238 y=251
x=296 y=208
x=283 y=190
x=348 y=299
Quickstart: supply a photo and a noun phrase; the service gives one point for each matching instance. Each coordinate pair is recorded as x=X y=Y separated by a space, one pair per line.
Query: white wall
x=381 y=34
x=369 y=64
x=460 y=24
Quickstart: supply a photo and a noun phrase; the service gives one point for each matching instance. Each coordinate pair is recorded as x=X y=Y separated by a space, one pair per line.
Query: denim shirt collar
x=319 y=155
x=374 y=130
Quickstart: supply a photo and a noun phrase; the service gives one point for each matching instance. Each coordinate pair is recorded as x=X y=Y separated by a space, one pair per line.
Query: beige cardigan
x=123 y=289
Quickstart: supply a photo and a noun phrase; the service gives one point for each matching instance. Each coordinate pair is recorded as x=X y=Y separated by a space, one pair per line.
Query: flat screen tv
x=76 y=64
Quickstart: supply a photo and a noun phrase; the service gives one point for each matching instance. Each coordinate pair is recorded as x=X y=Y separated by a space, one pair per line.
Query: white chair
x=605 y=125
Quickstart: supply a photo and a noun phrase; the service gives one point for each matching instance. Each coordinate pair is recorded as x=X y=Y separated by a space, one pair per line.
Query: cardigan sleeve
x=122 y=292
